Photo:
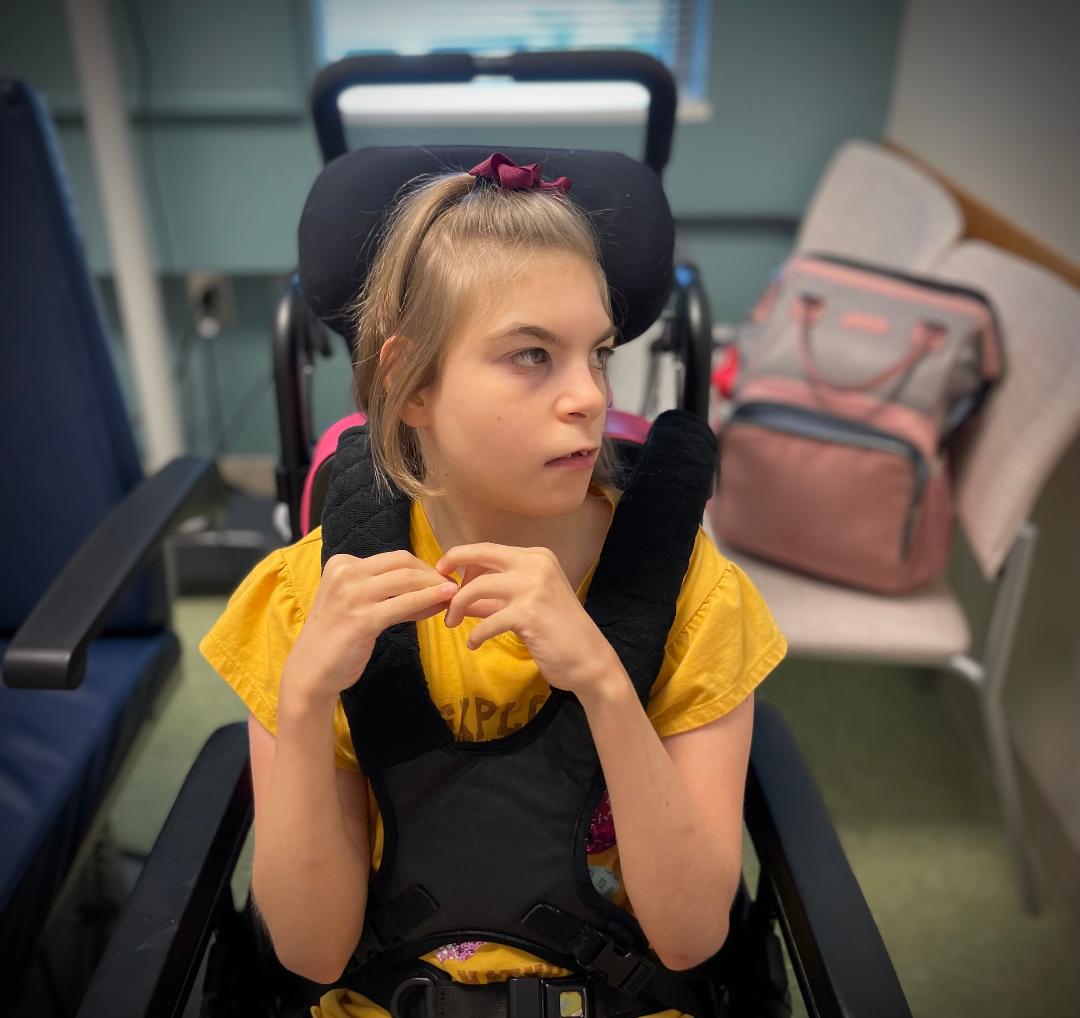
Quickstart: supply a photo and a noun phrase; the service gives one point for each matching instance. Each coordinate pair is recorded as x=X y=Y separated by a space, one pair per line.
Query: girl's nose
x=585 y=393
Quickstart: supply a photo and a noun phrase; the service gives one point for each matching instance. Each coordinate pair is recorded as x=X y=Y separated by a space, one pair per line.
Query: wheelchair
x=182 y=944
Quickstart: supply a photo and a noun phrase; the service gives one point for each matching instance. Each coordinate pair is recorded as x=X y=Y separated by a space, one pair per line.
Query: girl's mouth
x=584 y=460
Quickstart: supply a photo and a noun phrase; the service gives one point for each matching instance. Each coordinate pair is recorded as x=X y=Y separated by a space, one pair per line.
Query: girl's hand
x=524 y=590
x=356 y=600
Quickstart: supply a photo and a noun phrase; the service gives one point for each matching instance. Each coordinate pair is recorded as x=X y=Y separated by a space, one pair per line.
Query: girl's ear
x=415 y=411
x=389 y=353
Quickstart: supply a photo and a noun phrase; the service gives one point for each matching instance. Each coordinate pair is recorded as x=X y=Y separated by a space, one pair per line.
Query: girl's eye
x=536 y=355
x=531 y=358
x=605 y=354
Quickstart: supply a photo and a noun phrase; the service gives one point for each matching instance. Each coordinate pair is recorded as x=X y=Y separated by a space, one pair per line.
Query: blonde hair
x=444 y=238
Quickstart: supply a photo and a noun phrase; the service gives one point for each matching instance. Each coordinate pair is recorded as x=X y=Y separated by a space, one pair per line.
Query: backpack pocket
x=831 y=496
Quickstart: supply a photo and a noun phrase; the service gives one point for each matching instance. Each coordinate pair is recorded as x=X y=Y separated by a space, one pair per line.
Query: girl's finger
x=472 y=572
x=486 y=606
x=500 y=622
x=388 y=561
x=401 y=581
x=407 y=607
x=490 y=556
x=490 y=585
x=420 y=616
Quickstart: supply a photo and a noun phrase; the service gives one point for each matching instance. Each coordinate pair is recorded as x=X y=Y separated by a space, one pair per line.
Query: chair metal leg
x=1008 y=790
x=988 y=680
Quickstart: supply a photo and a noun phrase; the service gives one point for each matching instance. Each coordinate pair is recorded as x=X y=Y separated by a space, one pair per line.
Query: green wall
x=218 y=96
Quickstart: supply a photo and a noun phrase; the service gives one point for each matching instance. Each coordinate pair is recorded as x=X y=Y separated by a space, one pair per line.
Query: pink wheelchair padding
x=624 y=427
x=324 y=449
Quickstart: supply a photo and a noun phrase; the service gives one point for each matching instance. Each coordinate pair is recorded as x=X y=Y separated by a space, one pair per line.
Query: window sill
x=520 y=104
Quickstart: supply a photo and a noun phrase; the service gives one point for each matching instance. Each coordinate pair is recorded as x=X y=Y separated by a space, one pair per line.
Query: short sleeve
x=249 y=643
x=723 y=643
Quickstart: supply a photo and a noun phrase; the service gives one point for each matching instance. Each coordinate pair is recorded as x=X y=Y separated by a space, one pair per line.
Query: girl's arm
x=677 y=807
x=312 y=851
x=677 y=804
x=312 y=846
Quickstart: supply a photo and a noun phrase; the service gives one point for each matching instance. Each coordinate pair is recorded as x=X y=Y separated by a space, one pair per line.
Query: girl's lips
x=586 y=462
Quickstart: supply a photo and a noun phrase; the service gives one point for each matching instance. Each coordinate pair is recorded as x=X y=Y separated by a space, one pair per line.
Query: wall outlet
x=211 y=302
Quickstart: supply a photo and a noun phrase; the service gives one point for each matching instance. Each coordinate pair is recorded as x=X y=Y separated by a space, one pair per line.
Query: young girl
x=484 y=332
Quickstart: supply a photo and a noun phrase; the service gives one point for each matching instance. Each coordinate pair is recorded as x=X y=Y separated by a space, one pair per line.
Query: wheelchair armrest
x=836 y=950
x=49 y=649
x=154 y=953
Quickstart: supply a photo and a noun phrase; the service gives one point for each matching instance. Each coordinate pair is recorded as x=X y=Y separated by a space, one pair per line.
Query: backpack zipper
x=822 y=427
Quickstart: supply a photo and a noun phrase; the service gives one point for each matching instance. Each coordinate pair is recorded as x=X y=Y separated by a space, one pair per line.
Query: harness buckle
x=532 y=997
x=374 y=940
x=627 y=971
x=407 y=987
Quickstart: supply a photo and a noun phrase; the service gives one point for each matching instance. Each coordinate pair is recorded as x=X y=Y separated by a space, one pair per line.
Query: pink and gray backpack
x=834 y=460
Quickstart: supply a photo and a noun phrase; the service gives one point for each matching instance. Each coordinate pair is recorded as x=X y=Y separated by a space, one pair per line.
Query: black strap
x=529 y=997
x=425 y=998
x=636 y=585
x=390 y=923
x=625 y=970
x=361 y=520
x=632 y=596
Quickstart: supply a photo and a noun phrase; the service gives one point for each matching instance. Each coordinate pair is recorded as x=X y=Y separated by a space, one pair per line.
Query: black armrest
x=835 y=947
x=49 y=649
x=154 y=953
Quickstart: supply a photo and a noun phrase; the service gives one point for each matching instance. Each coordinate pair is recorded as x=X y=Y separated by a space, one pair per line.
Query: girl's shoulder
x=707 y=574
x=288 y=573
x=303 y=564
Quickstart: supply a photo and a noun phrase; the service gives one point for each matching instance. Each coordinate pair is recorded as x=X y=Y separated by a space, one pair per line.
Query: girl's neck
x=456 y=523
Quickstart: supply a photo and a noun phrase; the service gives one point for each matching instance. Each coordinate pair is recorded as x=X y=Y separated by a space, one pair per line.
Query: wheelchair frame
x=182 y=902
x=298 y=335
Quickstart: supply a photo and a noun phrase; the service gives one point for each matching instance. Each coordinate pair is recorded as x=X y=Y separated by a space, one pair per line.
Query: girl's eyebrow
x=539 y=332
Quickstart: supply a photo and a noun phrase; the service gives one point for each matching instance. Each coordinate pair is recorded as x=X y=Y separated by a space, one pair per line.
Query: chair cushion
x=877 y=206
x=822 y=619
x=60 y=751
x=1033 y=416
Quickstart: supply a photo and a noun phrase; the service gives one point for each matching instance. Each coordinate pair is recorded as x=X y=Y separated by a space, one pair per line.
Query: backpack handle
x=923 y=339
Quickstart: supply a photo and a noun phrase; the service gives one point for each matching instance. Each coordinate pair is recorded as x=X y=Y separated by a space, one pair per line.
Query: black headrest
x=340 y=225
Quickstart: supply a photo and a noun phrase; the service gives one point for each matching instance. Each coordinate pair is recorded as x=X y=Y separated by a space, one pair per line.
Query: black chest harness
x=485 y=841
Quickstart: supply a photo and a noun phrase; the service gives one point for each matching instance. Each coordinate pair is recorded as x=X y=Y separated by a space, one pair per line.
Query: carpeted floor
x=914 y=816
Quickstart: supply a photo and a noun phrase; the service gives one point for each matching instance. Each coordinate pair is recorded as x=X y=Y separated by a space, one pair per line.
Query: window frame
x=419 y=106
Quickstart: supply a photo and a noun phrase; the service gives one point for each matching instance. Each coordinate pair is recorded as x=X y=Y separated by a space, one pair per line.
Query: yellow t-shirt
x=722 y=643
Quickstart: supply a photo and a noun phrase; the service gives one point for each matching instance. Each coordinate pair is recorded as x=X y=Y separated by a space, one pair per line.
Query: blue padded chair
x=84 y=607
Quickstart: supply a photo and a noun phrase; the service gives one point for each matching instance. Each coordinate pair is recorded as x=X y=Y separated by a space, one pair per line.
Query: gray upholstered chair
x=1004 y=461
x=875 y=206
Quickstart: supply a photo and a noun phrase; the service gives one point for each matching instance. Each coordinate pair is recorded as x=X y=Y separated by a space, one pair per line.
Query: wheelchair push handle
x=444 y=68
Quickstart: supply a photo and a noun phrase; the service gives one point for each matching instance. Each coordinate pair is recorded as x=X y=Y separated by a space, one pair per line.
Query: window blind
x=673 y=31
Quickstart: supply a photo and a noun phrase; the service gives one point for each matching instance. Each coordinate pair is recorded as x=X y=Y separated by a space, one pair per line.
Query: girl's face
x=523 y=383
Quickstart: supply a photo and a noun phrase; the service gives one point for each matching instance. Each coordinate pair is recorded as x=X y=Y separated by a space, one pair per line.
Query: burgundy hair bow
x=506 y=173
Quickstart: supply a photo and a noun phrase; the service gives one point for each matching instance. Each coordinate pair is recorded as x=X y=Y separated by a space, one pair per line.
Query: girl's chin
x=544 y=501
x=558 y=503
x=545 y=493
